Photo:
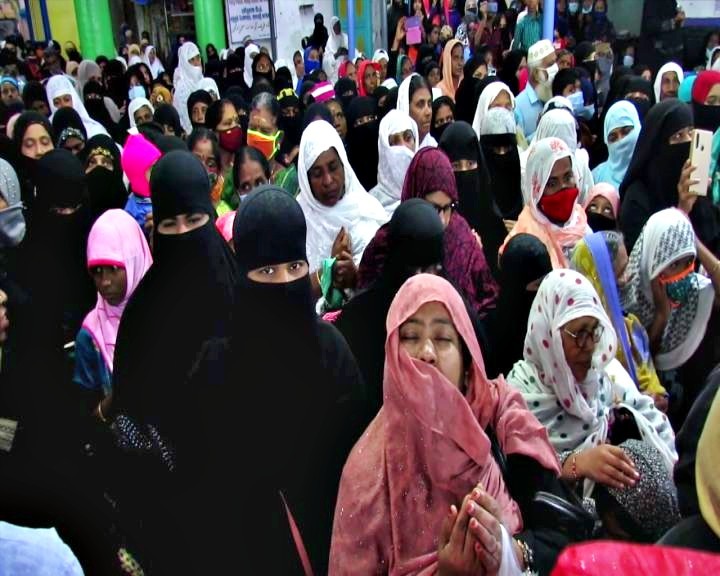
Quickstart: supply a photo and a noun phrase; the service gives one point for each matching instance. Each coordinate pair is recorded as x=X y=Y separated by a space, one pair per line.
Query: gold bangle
x=317 y=276
x=99 y=409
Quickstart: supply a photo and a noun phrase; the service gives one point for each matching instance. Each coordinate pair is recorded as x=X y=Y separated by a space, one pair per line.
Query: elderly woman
x=341 y=216
x=579 y=392
x=603 y=260
x=550 y=193
x=397 y=144
x=425 y=468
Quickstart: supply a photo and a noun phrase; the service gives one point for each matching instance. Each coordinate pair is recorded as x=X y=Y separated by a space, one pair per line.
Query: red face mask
x=559 y=207
x=231 y=140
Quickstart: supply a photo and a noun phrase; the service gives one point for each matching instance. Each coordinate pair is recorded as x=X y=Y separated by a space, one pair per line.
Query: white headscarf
x=487 y=97
x=576 y=414
x=393 y=160
x=560 y=123
x=210 y=86
x=61 y=86
x=667 y=237
x=250 y=51
x=156 y=67
x=709 y=65
x=403 y=104
x=335 y=41
x=379 y=55
x=498 y=121
x=359 y=213
x=134 y=106
x=187 y=81
x=669 y=67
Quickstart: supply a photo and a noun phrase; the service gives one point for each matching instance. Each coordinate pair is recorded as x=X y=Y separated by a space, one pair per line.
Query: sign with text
x=247 y=18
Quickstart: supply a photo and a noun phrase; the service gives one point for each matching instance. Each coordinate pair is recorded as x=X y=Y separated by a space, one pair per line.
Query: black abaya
x=362 y=140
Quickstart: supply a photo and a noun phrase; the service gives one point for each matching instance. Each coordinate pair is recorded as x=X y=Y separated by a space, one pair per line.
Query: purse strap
x=297 y=538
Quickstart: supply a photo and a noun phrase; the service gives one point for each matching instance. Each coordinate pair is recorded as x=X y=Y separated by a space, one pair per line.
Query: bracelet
x=317 y=276
x=99 y=409
x=573 y=464
x=527 y=554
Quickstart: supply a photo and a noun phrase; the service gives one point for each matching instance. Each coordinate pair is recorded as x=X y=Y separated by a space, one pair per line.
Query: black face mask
x=438 y=132
x=600 y=223
x=641 y=105
x=664 y=176
x=706 y=117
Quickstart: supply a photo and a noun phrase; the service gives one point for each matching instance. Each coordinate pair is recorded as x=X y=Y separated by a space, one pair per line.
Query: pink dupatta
x=426 y=449
x=115 y=240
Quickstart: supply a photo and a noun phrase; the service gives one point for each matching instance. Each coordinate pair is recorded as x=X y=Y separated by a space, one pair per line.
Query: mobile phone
x=700 y=158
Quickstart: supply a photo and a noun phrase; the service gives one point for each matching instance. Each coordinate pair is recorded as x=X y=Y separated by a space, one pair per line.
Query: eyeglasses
x=582 y=337
x=448 y=208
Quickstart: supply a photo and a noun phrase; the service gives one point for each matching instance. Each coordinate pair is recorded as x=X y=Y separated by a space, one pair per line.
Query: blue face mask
x=573 y=7
x=628 y=61
x=577 y=101
x=620 y=153
x=586 y=112
x=311 y=66
x=492 y=7
x=136 y=92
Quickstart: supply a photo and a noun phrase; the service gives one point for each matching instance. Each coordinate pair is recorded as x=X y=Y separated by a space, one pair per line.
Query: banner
x=247 y=18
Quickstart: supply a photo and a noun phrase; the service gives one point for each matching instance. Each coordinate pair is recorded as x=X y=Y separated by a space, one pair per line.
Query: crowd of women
x=452 y=308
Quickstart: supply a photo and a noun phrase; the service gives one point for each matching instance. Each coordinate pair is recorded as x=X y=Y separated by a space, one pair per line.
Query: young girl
x=118 y=257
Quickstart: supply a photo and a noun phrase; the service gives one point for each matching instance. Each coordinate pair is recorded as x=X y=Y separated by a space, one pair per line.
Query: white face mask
x=551 y=72
x=573 y=7
x=628 y=61
x=577 y=101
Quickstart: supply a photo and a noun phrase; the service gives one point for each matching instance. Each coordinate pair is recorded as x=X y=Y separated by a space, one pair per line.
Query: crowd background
x=448 y=308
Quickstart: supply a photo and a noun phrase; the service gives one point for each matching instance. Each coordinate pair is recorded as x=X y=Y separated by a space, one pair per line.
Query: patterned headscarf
x=667 y=237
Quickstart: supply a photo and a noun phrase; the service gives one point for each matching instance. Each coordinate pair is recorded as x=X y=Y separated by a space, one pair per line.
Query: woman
x=203 y=143
x=415 y=245
x=118 y=257
x=168 y=118
x=415 y=99
x=523 y=266
x=345 y=90
x=560 y=123
x=404 y=69
x=61 y=94
x=473 y=185
x=602 y=207
x=494 y=95
x=498 y=140
x=621 y=132
x=515 y=62
x=104 y=176
x=706 y=100
x=580 y=393
x=671 y=300
x=443 y=114
x=602 y=259
x=362 y=139
x=69 y=130
x=153 y=62
x=251 y=170
x=552 y=212
x=222 y=118
x=157 y=342
x=32 y=138
x=98 y=106
x=397 y=145
x=197 y=104
x=430 y=177
x=652 y=181
x=187 y=77
x=263 y=133
x=367 y=77
x=452 y=68
x=262 y=68
x=140 y=112
x=667 y=81
x=138 y=157
x=289 y=505
x=341 y=216
x=434 y=376
x=466 y=94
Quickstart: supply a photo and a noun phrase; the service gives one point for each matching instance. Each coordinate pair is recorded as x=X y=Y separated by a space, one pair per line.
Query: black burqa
x=67 y=124
x=524 y=260
x=476 y=205
x=345 y=91
x=167 y=116
x=508 y=73
x=505 y=176
x=183 y=300
x=94 y=100
x=362 y=140
x=415 y=243
x=26 y=167
x=279 y=360
x=465 y=96
x=106 y=189
x=651 y=180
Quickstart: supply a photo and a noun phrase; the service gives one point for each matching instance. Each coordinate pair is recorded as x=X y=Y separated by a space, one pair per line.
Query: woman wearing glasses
x=550 y=192
x=430 y=177
x=573 y=384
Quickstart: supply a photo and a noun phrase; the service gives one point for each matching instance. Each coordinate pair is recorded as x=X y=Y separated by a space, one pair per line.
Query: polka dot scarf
x=577 y=415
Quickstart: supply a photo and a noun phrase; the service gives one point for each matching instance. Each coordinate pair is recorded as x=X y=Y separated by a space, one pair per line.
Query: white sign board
x=701 y=8
x=247 y=18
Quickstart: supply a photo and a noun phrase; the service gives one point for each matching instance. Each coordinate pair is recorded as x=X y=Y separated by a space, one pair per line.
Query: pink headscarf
x=138 y=156
x=607 y=191
x=224 y=225
x=115 y=240
x=558 y=240
x=426 y=449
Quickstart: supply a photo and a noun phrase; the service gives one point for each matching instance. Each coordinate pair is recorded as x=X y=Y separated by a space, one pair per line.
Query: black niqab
x=106 y=189
x=505 y=176
x=508 y=73
x=345 y=91
x=362 y=140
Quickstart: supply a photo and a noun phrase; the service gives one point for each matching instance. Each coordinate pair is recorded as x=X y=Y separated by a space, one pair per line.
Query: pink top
x=115 y=240
x=224 y=225
x=427 y=449
x=138 y=156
